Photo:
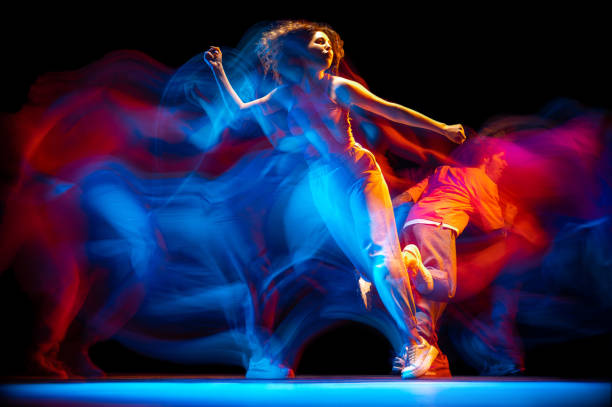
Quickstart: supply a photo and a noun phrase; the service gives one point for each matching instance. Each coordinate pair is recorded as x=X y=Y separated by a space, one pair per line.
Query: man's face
x=495 y=165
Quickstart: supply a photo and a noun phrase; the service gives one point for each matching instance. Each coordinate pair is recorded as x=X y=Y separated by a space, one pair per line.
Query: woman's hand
x=213 y=58
x=454 y=133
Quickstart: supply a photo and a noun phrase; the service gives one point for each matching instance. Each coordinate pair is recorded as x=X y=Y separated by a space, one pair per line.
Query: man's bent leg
x=438 y=254
x=437 y=248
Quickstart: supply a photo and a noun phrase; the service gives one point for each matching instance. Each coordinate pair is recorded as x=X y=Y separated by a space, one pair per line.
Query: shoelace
x=411 y=353
x=406 y=358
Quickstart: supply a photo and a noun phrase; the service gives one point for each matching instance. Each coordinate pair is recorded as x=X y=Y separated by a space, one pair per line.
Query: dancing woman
x=311 y=107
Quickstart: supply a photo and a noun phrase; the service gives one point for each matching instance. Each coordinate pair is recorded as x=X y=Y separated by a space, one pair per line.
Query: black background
x=458 y=65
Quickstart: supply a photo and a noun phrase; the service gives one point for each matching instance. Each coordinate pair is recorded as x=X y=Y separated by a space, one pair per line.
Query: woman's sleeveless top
x=325 y=123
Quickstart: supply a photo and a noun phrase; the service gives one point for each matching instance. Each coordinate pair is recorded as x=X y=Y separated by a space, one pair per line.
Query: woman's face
x=320 y=50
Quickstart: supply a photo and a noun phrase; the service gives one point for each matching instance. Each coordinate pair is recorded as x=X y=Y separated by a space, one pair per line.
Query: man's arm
x=412 y=194
x=401 y=199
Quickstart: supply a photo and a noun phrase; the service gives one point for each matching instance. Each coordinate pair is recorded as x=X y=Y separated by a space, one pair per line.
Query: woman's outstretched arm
x=213 y=58
x=352 y=93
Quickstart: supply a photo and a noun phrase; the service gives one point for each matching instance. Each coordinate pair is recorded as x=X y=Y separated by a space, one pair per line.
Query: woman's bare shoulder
x=342 y=88
x=342 y=81
x=347 y=90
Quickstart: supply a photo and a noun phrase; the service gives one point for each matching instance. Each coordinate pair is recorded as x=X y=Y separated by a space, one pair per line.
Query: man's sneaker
x=423 y=281
x=415 y=360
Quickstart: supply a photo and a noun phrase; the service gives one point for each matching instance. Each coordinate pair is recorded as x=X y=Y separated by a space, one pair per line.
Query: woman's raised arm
x=213 y=58
x=352 y=93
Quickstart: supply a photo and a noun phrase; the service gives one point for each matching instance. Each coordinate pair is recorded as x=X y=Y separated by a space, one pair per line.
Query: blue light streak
x=312 y=392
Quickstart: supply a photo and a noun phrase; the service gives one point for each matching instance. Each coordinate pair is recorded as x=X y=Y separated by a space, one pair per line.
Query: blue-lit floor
x=353 y=391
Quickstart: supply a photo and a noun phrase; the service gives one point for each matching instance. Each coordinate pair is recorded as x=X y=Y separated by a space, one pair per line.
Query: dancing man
x=444 y=203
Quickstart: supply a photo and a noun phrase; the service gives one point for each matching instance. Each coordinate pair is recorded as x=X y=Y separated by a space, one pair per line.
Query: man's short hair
x=474 y=151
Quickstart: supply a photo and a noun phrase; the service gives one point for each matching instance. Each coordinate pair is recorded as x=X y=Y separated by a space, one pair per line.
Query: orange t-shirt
x=456 y=195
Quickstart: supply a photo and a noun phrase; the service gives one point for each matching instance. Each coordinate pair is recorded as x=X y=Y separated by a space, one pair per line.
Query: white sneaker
x=412 y=259
x=415 y=360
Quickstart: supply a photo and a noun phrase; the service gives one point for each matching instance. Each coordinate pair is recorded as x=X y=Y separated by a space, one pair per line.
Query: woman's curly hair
x=274 y=43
